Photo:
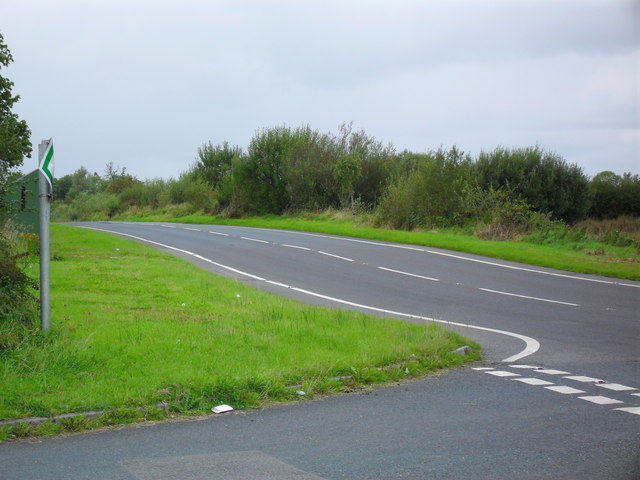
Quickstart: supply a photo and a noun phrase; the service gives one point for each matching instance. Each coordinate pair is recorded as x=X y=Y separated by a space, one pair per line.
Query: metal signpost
x=45 y=191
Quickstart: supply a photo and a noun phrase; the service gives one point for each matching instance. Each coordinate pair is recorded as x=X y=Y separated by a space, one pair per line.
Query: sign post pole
x=45 y=190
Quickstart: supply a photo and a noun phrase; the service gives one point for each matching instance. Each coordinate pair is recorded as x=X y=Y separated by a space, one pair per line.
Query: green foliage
x=15 y=135
x=543 y=180
x=433 y=194
x=215 y=162
x=613 y=195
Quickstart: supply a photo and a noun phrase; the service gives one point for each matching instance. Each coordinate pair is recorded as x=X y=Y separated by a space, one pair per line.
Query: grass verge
x=141 y=334
x=593 y=257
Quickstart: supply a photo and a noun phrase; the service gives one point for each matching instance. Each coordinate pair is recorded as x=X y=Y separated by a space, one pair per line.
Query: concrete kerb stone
x=36 y=421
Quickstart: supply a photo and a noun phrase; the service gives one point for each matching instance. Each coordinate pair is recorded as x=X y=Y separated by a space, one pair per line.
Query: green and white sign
x=46 y=164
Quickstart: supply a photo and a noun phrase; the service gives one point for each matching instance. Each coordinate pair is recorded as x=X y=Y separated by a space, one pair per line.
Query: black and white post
x=45 y=193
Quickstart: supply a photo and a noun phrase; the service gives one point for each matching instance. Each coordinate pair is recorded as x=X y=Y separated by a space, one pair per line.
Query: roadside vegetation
x=522 y=204
x=173 y=339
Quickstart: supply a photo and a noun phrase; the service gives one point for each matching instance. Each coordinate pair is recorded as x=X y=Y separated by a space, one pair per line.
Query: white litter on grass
x=184 y=304
x=222 y=409
x=301 y=392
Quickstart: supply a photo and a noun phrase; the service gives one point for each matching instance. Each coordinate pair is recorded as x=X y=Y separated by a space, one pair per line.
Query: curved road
x=559 y=396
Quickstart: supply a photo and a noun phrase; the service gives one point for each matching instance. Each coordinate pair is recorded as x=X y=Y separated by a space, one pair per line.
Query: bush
x=434 y=195
x=542 y=179
x=17 y=302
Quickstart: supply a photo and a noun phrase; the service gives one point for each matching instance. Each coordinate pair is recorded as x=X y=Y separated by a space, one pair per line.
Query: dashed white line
x=297 y=247
x=583 y=379
x=551 y=371
x=335 y=256
x=193 y=229
x=528 y=297
x=219 y=233
x=254 y=240
x=482 y=369
x=409 y=274
x=634 y=410
x=616 y=387
x=502 y=373
x=533 y=381
x=523 y=366
x=600 y=400
x=565 y=390
x=168 y=226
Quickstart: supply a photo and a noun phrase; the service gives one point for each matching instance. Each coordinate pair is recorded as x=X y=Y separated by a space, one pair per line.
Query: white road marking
x=551 y=371
x=481 y=369
x=164 y=226
x=533 y=381
x=523 y=366
x=532 y=270
x=503 y=373
x=636 y=394
x=409 y=274
x=529 y=298
x=531 y=344
x=565 y=390
x=600 y=400
x=335 y=256
x=221 y=234
x=193 y=229
x=460 y=257
x=580 y=378
x=283 y=285
x=616 y=387
x=254 y=240
x=634 y=410
x=296 y=246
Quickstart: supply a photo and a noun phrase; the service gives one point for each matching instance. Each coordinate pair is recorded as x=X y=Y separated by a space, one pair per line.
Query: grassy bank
x=575 y=255
x=142 y=334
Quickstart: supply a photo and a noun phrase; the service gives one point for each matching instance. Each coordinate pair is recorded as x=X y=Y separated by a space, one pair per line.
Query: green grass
x=133 y=327
x=591 y=257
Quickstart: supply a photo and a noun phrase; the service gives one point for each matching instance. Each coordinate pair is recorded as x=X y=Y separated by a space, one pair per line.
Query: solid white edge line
x=532 y=345
x=529 y=298
x=409 y=274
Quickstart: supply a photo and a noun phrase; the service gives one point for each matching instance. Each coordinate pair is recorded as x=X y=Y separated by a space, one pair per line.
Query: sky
x=145 y=83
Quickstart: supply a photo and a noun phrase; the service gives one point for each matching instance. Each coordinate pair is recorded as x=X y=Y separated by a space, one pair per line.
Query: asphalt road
x=559 y=396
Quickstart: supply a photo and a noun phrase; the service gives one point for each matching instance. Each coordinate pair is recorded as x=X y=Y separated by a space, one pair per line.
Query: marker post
x=45 y=193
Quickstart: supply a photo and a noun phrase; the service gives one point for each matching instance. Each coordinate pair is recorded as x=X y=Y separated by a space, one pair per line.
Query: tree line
x=290 y=170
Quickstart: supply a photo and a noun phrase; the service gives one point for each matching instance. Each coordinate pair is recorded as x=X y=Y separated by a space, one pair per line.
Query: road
x=559 y=396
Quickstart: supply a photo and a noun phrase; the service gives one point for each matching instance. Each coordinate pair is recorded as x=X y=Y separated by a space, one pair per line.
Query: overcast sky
x=144 y=83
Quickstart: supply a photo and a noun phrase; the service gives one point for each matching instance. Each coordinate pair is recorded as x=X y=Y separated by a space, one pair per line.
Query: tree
x=15 y=144
x=542 y=179
x=15 y=136
x=214 y=162
x=614 y=195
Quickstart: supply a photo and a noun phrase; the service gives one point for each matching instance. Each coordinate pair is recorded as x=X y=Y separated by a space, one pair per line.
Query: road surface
x=559 y=395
